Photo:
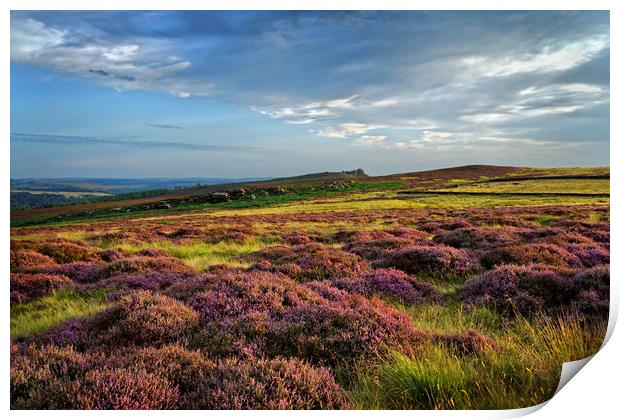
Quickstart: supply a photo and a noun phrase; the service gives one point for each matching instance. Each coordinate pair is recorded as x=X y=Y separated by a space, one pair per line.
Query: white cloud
x=123 y=67
x=367 y=140
x=549 y=59
x=345 y=130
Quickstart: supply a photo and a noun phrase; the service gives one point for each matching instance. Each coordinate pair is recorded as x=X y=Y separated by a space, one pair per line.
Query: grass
x=43 y=313
x=572 y=186
x=201 y=255
x=526 y=372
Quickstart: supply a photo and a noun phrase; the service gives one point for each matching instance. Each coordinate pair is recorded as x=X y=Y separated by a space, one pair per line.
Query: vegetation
x=319 y=295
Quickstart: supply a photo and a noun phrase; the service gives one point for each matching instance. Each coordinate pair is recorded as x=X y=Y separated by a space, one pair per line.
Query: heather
x=369 y=299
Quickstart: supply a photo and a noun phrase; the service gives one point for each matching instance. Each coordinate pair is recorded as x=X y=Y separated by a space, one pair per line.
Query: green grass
x=571 y=186
x=40 y=314
x=292 y=194
x=526 y=372
x=201 y=255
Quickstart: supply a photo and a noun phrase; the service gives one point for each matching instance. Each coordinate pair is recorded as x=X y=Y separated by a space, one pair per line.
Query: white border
x=591 y=394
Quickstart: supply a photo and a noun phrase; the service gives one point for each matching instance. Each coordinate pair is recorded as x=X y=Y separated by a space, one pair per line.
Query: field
x=461 y=288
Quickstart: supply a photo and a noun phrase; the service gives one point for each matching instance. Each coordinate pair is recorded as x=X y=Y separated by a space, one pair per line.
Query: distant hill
x=326 y=176
x=115 y=185
x=421 y=180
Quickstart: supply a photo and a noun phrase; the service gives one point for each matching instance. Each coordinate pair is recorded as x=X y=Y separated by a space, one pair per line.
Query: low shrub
x=592 y=288
x=393 y=284
x=25 y=287
x=467 y=343
x=67 y=252
x=277 y=384
x=337 y=333
x=125 y=389
x=311 y=262
x=519 y=289
x=434 y=260
x=540 y=253
x=27 y=259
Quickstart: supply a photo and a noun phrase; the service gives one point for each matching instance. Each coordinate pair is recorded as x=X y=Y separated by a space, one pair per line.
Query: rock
x=236 y=194
x=162 y=205
x=219 y=197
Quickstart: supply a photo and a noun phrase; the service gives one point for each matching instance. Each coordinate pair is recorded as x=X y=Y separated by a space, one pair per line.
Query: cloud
x=127 y=66
x=367 y=140
x=142 y=144
x=164 y=126
x=393 y=81
x=550 y=58
x=345 y=130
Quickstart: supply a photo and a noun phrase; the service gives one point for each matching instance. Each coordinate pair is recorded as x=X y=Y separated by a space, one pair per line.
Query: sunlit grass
x=524 y=373
x=43 y=313
x=201 y=255
x=581 y=186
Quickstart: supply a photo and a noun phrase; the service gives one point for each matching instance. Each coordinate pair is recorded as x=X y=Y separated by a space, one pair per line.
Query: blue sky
x=241 y=94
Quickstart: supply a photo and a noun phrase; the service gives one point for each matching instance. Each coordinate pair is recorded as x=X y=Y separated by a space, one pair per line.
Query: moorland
x=456 y=288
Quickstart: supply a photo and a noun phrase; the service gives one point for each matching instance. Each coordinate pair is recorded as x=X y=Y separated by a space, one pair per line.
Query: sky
x=276 y=93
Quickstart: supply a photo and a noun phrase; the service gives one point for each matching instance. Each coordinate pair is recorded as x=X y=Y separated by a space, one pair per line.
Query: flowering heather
x=327 y=290
x=468 y=342
x=79 y=272
x=277 y=384
x=154 y=252
x=125 y=389
x=44 y=377
x=436 y=260
x=592 y=288
x=26 y=259
x=139 y=318
x=154 y=281
x=143 y=264
x=254 y=291
x=25 y=287
x=477 y=237
x=183 y=368
x=540 y=253
x=590 y=255
x=522 y=289
x=338 y=333
x=312 y=261
x=67 y=252
x=110 y=255
x=393 y=284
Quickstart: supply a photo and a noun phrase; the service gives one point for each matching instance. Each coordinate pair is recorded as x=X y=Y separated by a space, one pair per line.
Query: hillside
x=268 y=192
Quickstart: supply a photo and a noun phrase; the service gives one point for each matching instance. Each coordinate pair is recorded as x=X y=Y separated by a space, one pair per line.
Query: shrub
x=592 y=287
x=143 y=264
x=143 y=318
x=79 y=272
x=436 y=260
x=125 y=389
x=43 y=378
x=154 y=281
x=338 y=333
x=541 y=253
x=468 y=342
x=393 y=284
x=477 y=237
x=27 y=259
x=236 y=294
x=110 y=255
x=25 y=287
x=67 y=252
x=519 y=289
x=312 y=262
x=277 y=384
x=590 y=255
x=138 y=318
